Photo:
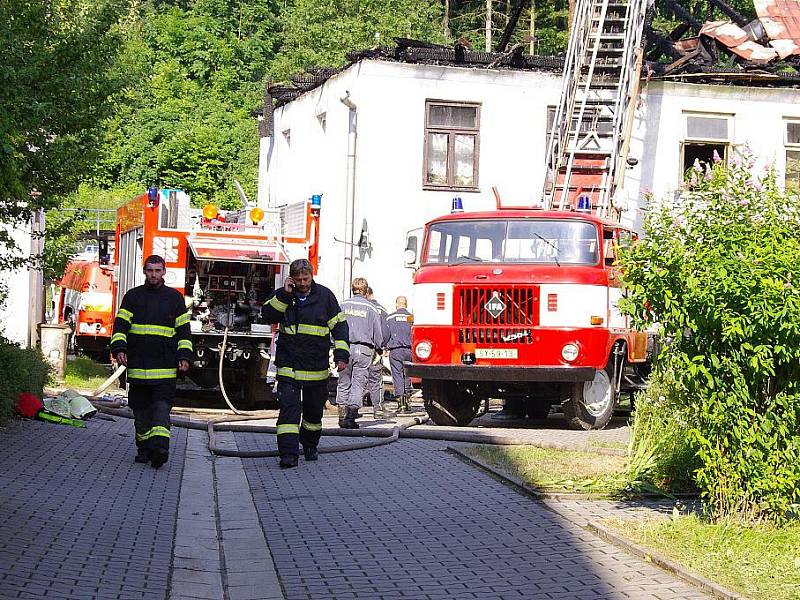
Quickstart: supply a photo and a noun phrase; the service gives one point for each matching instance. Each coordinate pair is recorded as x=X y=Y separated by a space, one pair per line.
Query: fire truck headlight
x=423 y=350
x=569 y=352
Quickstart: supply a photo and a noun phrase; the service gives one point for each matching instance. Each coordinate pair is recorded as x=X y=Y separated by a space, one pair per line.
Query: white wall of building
x=390 y=99
x=15 y=323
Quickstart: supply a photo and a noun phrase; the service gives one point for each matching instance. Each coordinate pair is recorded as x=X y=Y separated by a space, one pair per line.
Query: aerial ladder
x=590 y=133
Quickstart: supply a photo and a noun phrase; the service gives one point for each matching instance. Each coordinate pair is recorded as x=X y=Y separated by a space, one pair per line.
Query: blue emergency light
x=316 y=201
x=152 y=196
x=457 y=206
x=584 y=203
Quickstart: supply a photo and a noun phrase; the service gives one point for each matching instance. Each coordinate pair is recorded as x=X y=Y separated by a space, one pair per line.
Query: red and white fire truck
x=83 y=301
x=225 y=264
x=522 y=304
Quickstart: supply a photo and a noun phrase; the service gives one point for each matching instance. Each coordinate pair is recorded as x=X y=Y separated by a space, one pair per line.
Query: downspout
x=265 y=145
x=350 y=206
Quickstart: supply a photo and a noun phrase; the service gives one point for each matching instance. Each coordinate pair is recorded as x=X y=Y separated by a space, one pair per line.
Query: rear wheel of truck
x=590 y=404
x=450 y=404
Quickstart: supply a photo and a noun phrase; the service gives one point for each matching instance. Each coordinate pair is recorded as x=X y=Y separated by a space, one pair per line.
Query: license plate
x=495 y=353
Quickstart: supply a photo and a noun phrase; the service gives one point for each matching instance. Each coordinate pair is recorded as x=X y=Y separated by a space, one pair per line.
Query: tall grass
x=660 y=452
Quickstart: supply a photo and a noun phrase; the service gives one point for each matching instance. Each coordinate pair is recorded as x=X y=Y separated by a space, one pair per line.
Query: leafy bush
x=21 y=370
x=719 y=272
x=661 y=452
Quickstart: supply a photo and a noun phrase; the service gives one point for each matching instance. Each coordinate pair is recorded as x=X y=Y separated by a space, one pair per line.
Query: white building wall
x=14 y=314
x=390 y=99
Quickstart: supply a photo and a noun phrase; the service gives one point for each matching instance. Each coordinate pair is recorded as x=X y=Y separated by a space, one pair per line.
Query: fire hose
x=382 y=436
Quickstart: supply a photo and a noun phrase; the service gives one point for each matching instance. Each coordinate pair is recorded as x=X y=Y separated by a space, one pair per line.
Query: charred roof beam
x=735 y=16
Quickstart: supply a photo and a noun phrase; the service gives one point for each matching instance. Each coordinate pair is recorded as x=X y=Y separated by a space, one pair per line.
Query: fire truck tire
x=448 y=405
x=590 y=404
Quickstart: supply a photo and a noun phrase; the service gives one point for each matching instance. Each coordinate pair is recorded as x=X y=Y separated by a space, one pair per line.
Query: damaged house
x=392 y=138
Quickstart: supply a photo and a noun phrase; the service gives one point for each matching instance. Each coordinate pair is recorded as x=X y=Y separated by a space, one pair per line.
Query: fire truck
x=83 y=301
x=225 y=264
x=521 y=303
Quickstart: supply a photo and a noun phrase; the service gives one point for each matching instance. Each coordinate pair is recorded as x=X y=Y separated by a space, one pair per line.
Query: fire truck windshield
x=531 y=241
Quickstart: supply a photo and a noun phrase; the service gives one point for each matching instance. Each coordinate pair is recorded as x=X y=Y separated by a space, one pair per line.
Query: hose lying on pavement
x=235 y=424
x=384 y=437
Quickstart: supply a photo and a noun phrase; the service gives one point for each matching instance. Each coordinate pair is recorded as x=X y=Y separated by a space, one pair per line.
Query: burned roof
x=761 y=52
x=418 y=52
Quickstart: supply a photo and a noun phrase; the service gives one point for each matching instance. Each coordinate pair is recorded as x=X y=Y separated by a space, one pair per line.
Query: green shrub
x=661 y=452
x=21 y=370
x=719 y=272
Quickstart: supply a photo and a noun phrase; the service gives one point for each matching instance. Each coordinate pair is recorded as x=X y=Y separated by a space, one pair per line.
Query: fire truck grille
x=494 y=335
x=506 y=311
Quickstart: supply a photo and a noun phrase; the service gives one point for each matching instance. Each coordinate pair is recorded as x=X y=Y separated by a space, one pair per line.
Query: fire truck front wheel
x=450 y=403
x=590 y=404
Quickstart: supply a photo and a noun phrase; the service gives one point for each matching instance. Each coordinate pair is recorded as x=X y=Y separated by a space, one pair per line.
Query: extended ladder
x=590 y=133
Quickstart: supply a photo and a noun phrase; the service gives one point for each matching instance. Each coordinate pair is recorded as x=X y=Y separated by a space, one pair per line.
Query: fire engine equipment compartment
x=228 y=295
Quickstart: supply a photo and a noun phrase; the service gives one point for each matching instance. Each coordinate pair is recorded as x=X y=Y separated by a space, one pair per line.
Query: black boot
x=142 y=456
x=288 y=461
x=158 y=456
x=342 y=415
x=310 y=453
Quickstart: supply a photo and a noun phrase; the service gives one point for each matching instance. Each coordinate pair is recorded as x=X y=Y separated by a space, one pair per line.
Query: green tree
x=322 y=32
x=55 y=80
x=718 y=271
x=194 y=72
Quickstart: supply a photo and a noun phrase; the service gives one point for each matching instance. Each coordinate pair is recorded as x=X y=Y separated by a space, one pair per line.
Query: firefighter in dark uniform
x=152 y=338
x=309 y=315
x=399 y=323
x=375 y=380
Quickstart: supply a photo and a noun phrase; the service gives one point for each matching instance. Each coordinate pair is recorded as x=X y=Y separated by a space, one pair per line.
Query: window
x=792 y=142
x=532 y=241
x=451 y=145
x=705 y=135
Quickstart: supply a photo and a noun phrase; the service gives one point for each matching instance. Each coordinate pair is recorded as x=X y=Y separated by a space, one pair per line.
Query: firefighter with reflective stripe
x=309 y=316
x=364 y=323
x=152 y=338
x=375 y=380
x=399 y=323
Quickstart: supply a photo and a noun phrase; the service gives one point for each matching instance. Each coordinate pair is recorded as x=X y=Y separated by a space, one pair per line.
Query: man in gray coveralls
x=366 y=338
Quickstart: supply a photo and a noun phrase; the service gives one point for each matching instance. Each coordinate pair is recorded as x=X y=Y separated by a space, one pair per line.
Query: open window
x=792 y=144
x=706 y=133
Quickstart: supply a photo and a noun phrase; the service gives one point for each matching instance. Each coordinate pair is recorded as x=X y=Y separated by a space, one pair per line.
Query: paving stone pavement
x=78 y=519
x=409 y=520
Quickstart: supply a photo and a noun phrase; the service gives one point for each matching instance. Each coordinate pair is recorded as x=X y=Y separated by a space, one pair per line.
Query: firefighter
x=152 y=339
x=399 y=344
x=375 y=380
x=309 y=315
x=363 y=321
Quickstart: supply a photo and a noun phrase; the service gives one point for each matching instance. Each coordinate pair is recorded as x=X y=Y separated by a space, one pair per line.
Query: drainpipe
x=265 y=145
x=350 y=207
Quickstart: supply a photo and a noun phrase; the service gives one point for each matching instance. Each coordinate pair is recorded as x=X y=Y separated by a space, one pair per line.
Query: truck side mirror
x=410 y=253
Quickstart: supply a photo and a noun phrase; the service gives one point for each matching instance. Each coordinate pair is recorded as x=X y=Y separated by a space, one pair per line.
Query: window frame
x=726 y=143
x=790 y=147
x=451 y=133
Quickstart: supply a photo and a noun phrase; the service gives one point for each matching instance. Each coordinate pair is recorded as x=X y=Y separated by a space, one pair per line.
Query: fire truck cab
x=521 y=304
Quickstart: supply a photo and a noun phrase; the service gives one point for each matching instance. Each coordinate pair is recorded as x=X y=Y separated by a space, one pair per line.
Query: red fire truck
x=83 y=301
x=225 y=264
x=522 y=304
